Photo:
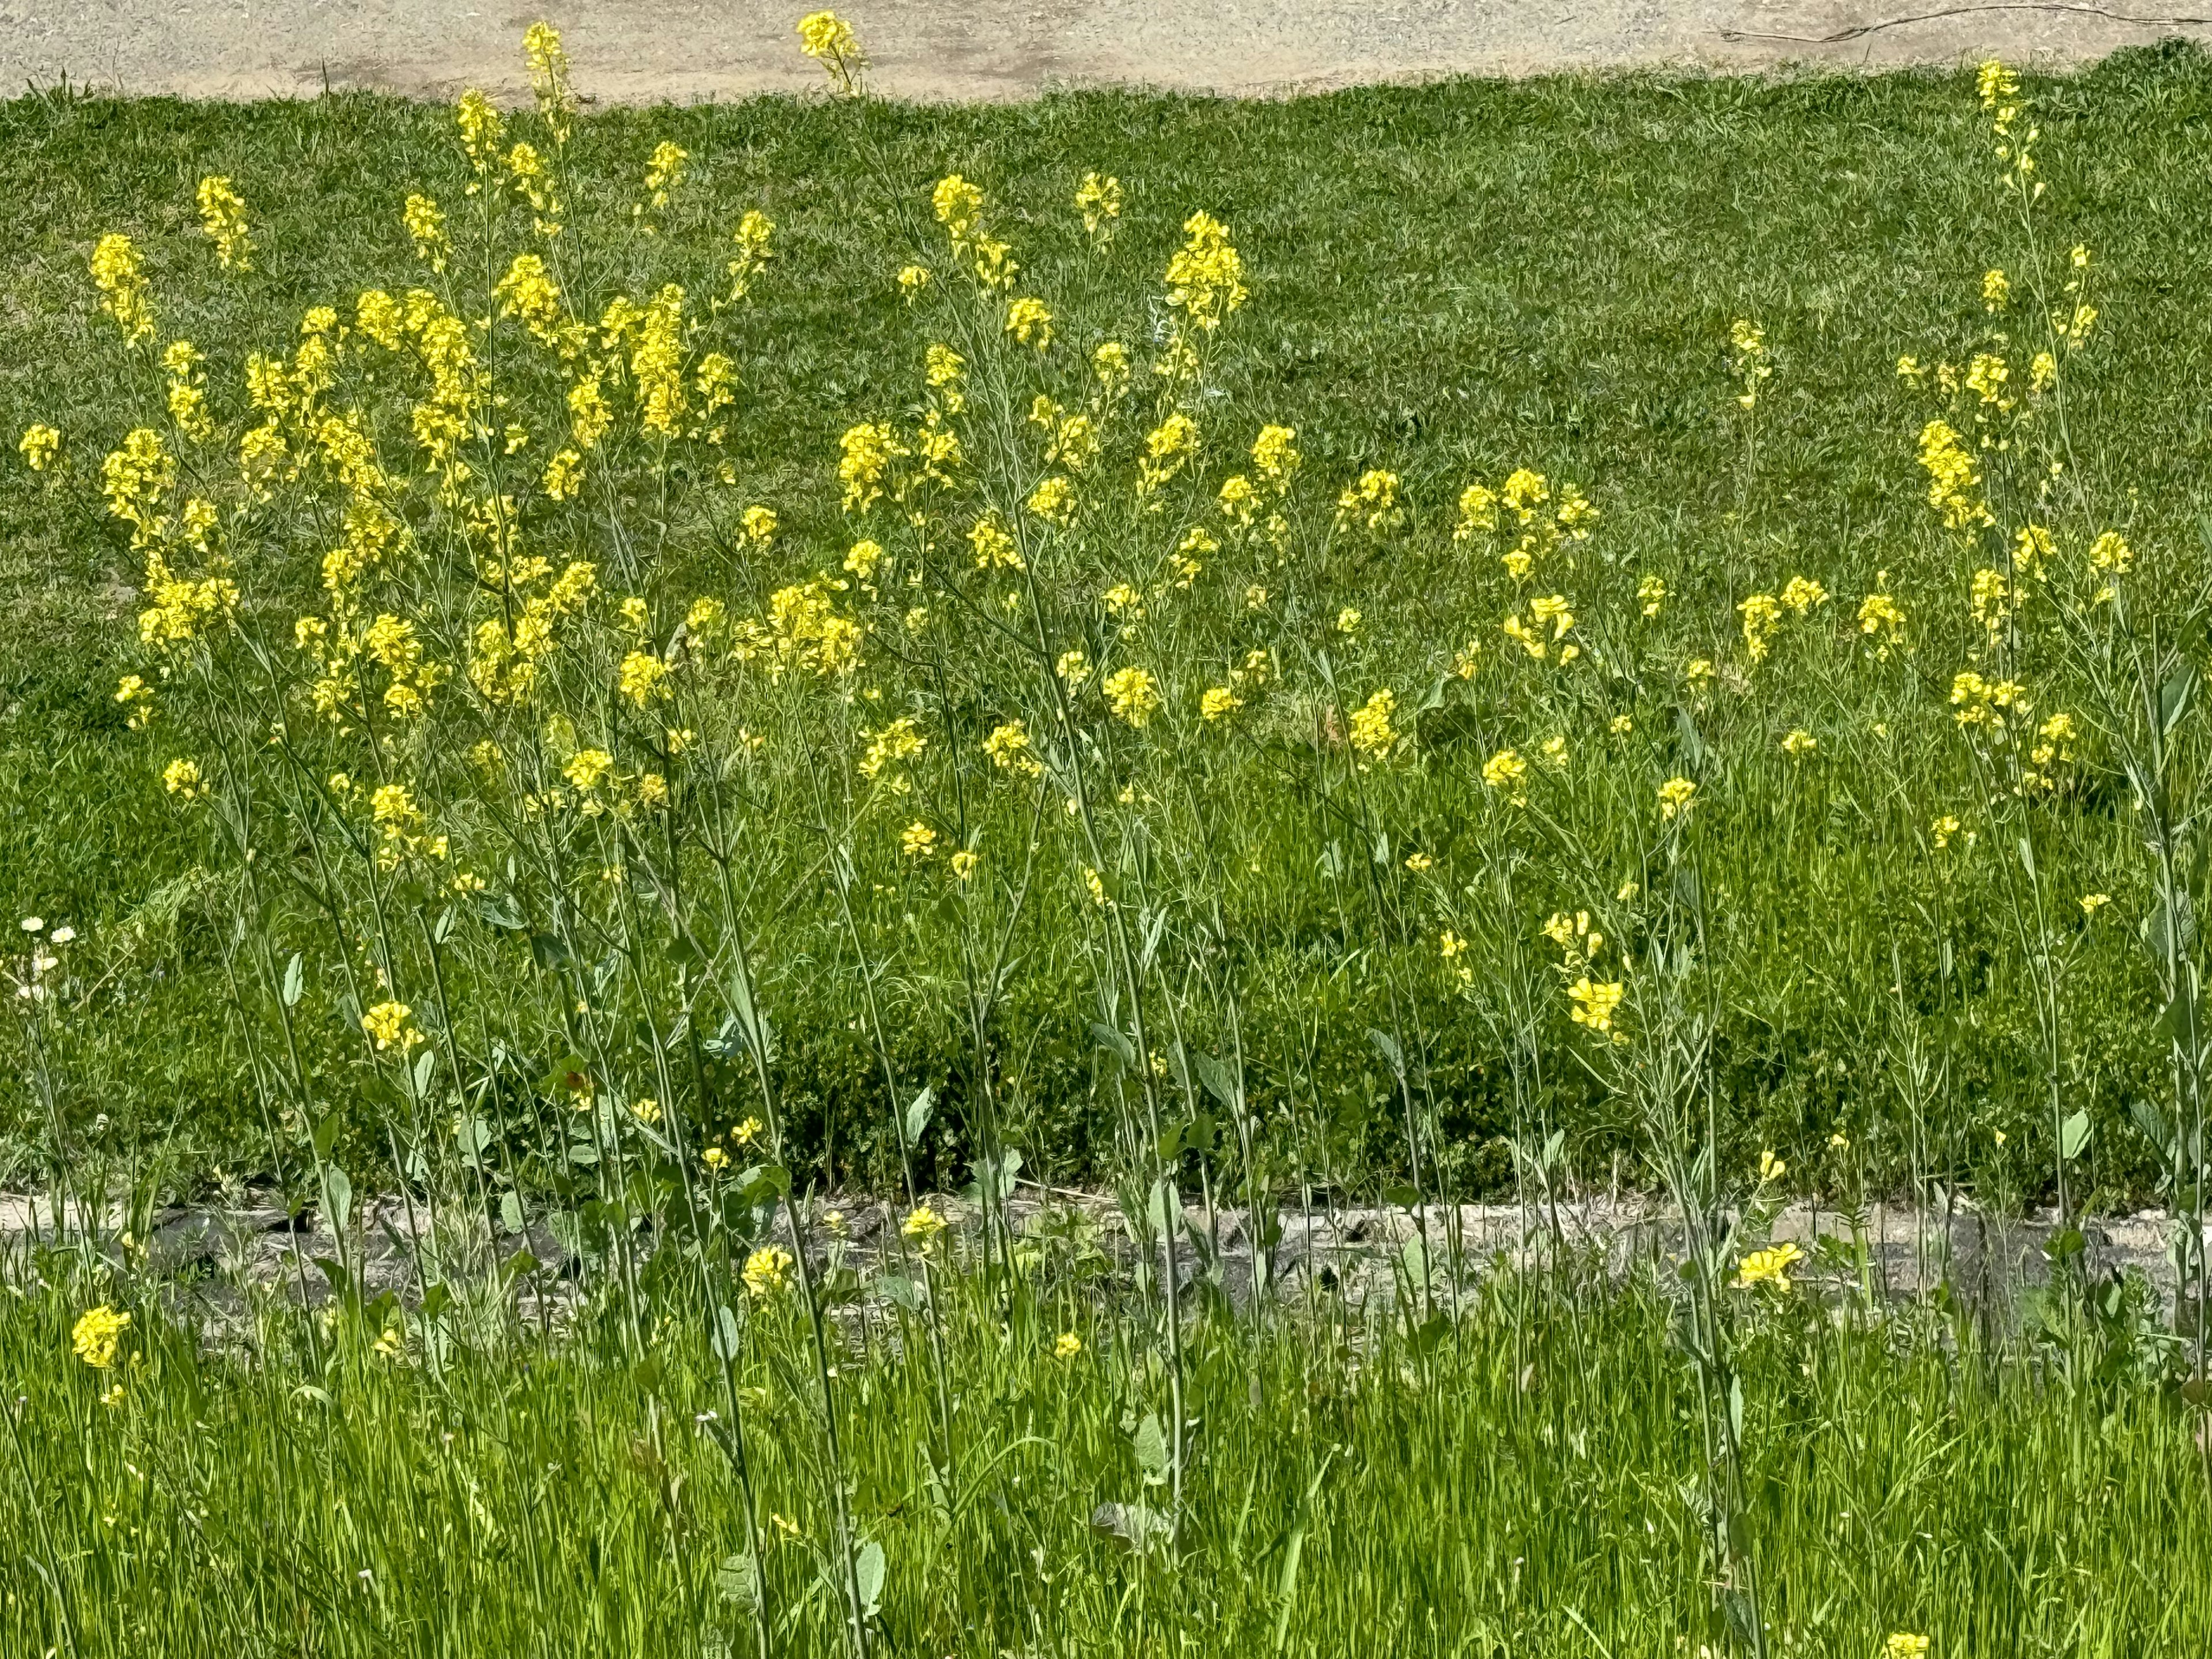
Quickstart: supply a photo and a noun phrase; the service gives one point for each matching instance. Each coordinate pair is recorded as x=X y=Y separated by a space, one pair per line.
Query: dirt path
x=643 y=51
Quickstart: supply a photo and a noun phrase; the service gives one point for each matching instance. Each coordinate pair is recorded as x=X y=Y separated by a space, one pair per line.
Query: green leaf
x=1214 y=1076
x=1109 y=1038
x=1387 y=1046
x=510 y=1212
x=338 y=1198
x=295 y=977
x=726 y=1339
x=2173 y=697
x=735 y=1581
x=1152 y=1449
x=917 y=1114
x=2151 y=1121
x=499 y=910
x=2073 y=1135
x=868 y=1570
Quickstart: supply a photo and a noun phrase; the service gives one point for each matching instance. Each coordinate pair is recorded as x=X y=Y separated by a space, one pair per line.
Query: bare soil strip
x=657 y=51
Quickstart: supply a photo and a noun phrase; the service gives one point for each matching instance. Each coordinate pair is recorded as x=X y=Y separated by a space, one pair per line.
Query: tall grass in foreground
x=521 y=837
x=1528 y=1484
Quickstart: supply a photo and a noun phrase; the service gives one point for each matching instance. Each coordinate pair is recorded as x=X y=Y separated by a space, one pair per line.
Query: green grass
x=676 y=953
x=1450 y=280
x=1528 y=1486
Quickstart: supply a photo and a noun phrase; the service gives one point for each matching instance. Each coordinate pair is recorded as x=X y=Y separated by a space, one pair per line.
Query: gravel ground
x=1360 y=1254
x=650 y=51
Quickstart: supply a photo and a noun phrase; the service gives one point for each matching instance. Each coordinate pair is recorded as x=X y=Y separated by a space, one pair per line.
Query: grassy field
x=1449 y=282
x=611 y=675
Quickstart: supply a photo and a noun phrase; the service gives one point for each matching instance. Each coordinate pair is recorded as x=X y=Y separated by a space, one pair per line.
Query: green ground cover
x=1449 y=282
x=1440 y=642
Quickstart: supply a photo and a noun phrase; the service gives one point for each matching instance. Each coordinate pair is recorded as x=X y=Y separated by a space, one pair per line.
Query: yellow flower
x=1622 y=724
x=715 y=1158
x=917 y=841
x=124 y=292
x=964 y=862
x=40 y=444
x=1347 y=621
x=748 y=1131
x=1054 y=500
x=1066 y=1346
x=995 y=546
x=2108 y=552
x=97 y=1336
x=1029 y=322
x=1651 y=593
x=426 y=228
x=1073 y=667
x=387 y=1024
x=1674 y=798
x=922 y=1226
x=1371 y=724
x=587 y=767
x=1901 y=1646
x=1698 y=670
x=1008 y=746
x=1099 y=198
x=1594 y=1003
x=1205 y=277
x=1506 y=771
x=1768 y=1266
x=182 y=778
x=829 y=40
x=1761 y=612
x=1371 y=503
x=1878 y=614
x=1133 y=696
x=768 y=1272
x=1801 y=594
x=1951 y=479
x=1943 y=828
x=222 y=216
x=2092 y=903
x=1997 y=290
x=1748 y=345
x=645 y=1110
x=1771 y=1168
x=1799 y=744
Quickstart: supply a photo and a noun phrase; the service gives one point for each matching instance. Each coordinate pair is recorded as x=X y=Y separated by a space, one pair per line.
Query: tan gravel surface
x=644 y=50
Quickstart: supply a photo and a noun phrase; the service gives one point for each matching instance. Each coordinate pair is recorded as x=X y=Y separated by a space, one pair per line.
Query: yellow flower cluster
x=900 y=742
x=222 y=216
x=1370 y=504
x=125 y=294
x=386 y=1023
x=97 y=1336
x=1133 y=694
x=1205 y=277
x=1768 y=1267
x=1371 y=733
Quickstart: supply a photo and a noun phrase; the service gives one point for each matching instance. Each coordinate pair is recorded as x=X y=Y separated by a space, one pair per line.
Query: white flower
x=34 y=924
x=63 y=935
